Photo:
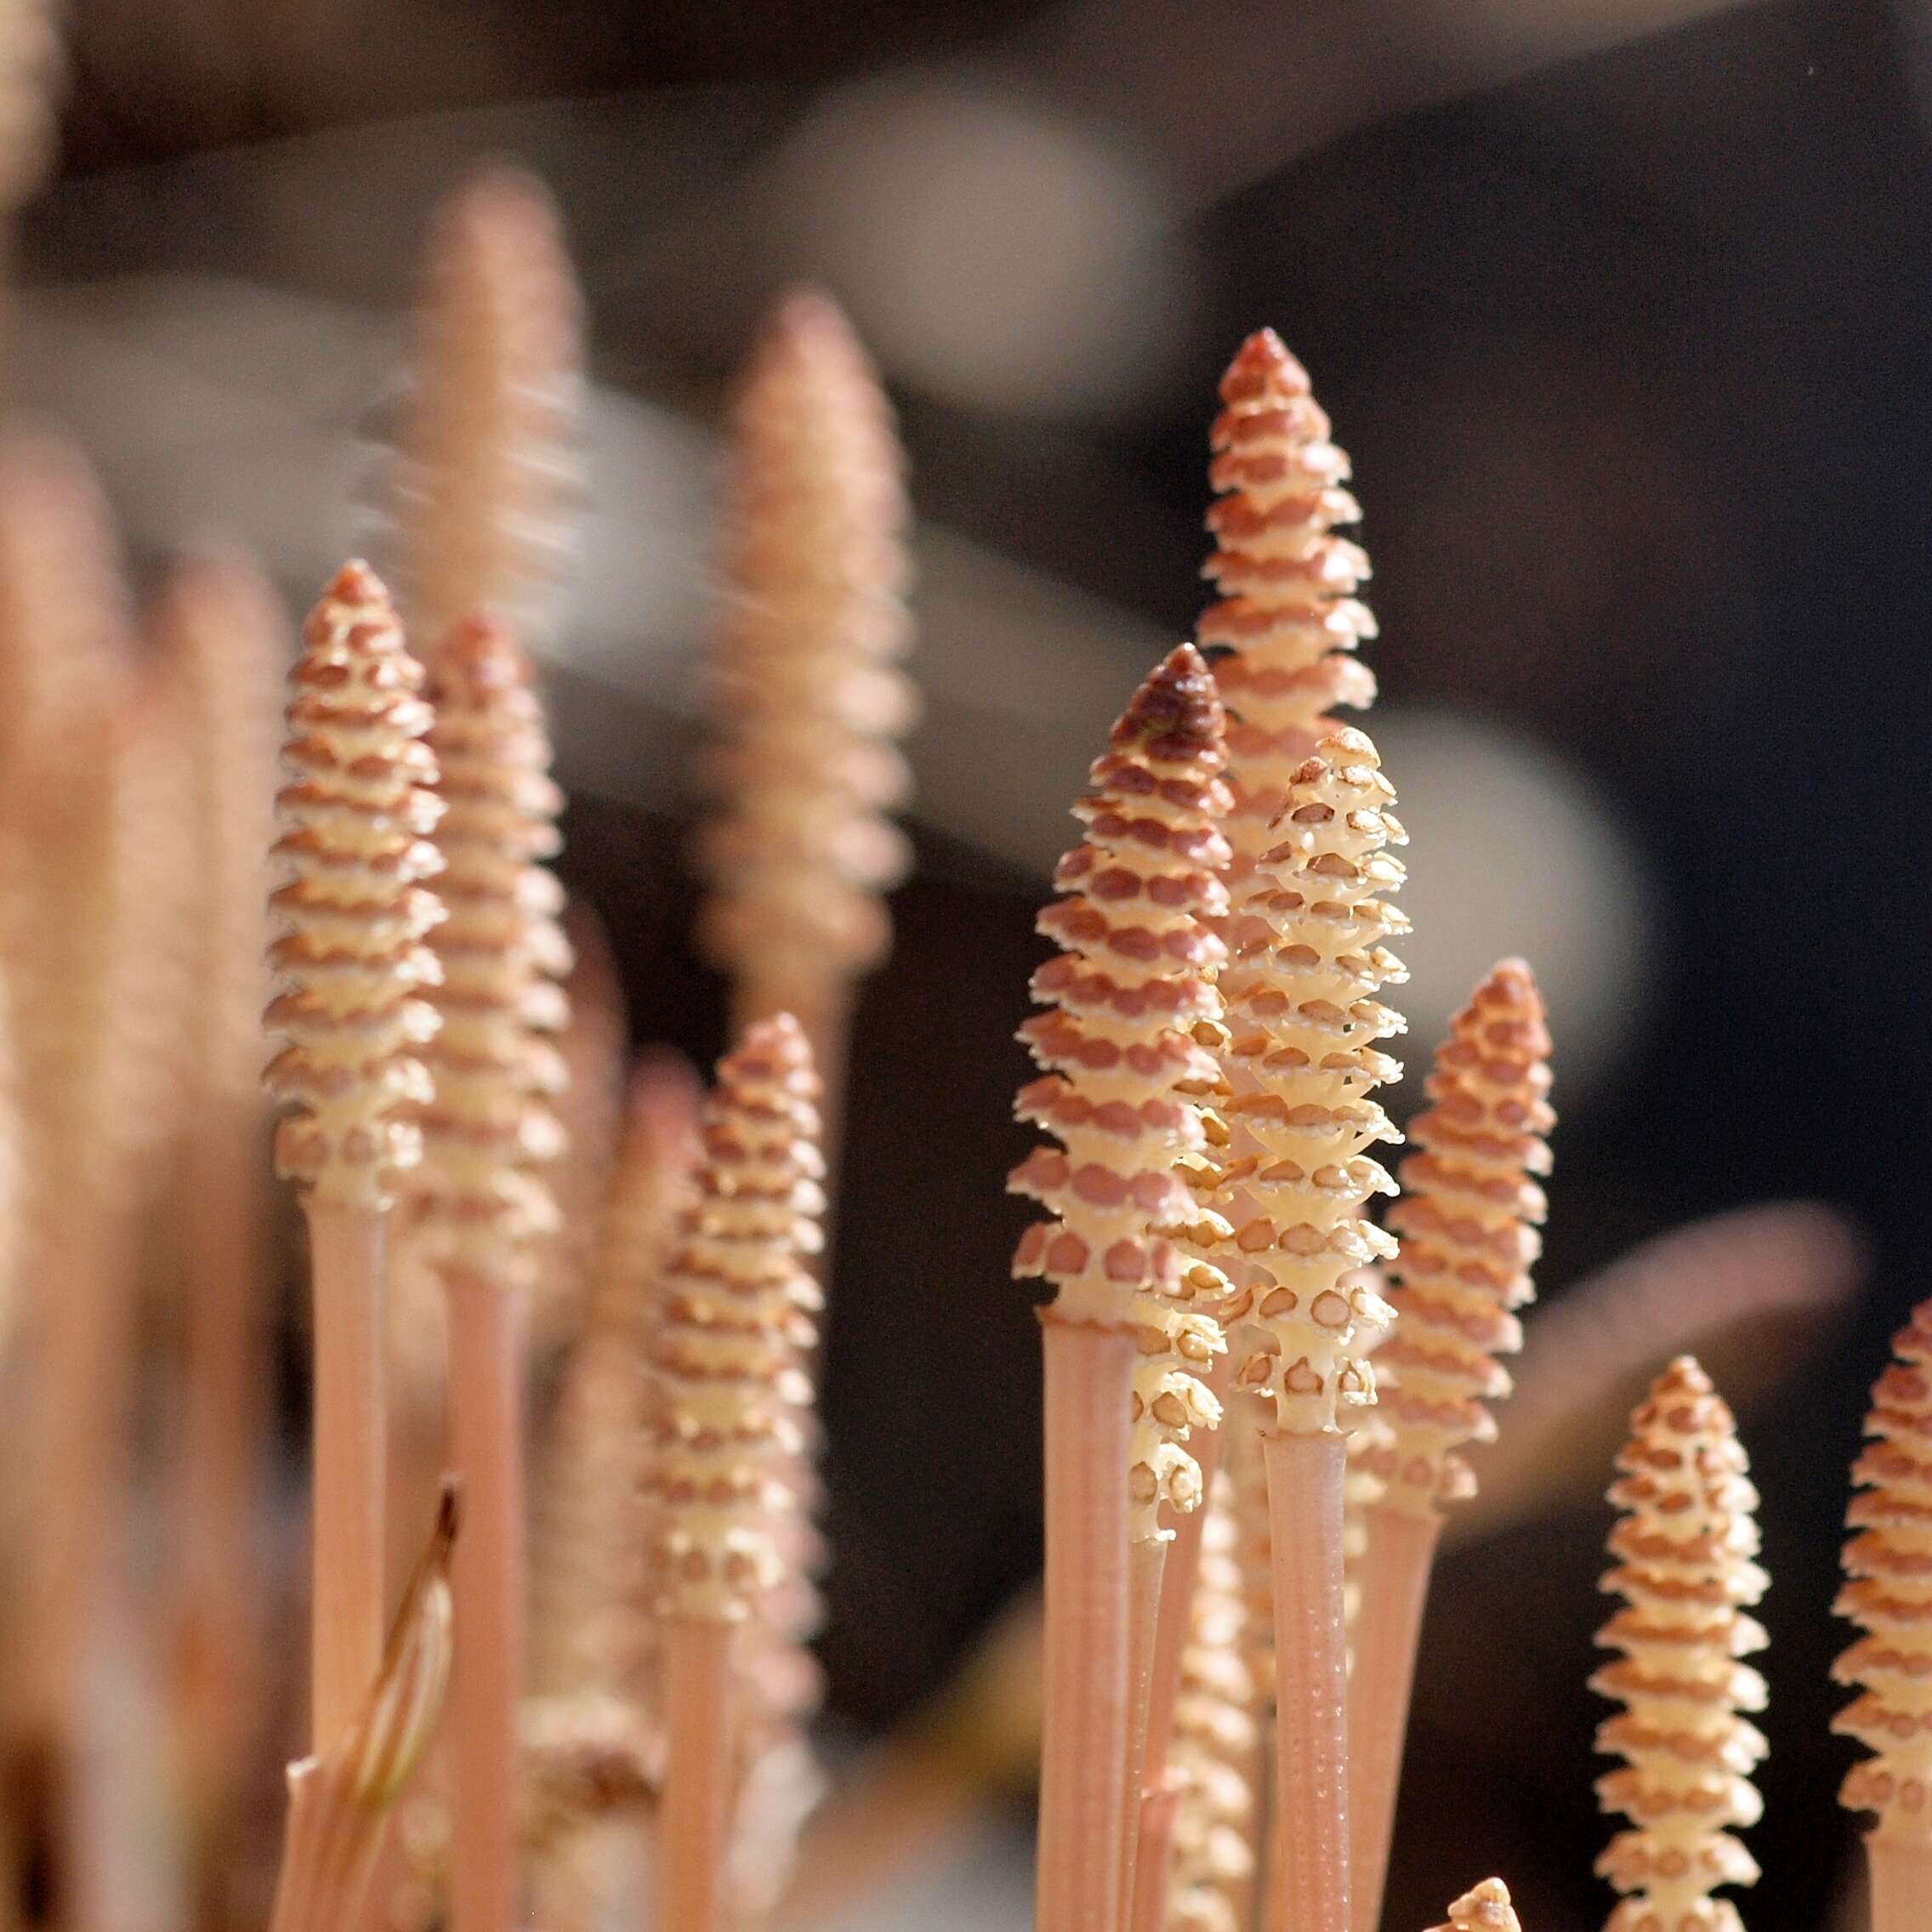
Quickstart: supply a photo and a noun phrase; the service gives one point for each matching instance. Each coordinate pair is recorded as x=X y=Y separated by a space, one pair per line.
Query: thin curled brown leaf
x=340 y=1804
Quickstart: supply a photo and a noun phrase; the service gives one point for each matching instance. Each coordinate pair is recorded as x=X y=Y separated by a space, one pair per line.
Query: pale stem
x=1305 y=1476
x=345 y=1250
x=695 y=1816
x=85 y=1343
x=1090 y=1384
x=485 y=1429
x=1261 y=1889
x=224 y=1448
x=1153 y=1861
x=1901 y=1883
x=1395 y=1588
x=414 y=1458
x=1146 y=1564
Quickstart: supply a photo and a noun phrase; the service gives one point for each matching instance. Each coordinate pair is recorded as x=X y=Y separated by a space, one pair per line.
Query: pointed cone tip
x=1684 y=1373
x=775 y=1034
x=772 y=1048
x=1484 y=1908
x=1511 y=982
x=1176 y=715
x=356 y=582
x=498 y=200
x=806 y=329
x=1349 y=741
x=805 y=312
x=1263 y=364
x=480 y=655
x=498 y=177
x=1264 y=345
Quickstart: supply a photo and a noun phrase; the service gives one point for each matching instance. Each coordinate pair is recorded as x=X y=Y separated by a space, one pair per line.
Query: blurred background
x=1621 y=307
